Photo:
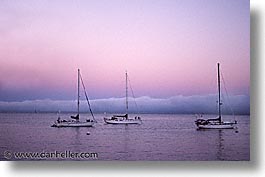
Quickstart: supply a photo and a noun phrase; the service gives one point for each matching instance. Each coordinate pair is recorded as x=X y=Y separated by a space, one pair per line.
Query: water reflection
x=76 y=140
x=220 y=145
x=126 y=141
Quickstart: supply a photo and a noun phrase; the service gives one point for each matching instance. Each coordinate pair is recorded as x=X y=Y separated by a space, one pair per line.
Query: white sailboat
x=75 y=122
x=215 y=123
x=123 y=119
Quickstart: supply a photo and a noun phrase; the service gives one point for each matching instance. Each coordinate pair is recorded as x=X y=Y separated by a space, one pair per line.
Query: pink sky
x=168 y=47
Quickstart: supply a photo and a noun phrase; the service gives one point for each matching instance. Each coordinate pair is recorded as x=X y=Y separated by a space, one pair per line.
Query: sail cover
x=126 y=115
x=75 y=117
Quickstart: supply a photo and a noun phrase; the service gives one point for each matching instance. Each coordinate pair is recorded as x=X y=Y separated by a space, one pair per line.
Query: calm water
x=160 y=137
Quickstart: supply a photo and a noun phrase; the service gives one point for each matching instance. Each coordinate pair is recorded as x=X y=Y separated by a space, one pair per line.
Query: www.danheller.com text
x=50 y=155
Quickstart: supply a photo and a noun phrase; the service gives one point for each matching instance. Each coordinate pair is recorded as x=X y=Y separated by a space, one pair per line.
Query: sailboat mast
x=126 y=92
x=219 y=92
x=78 y=92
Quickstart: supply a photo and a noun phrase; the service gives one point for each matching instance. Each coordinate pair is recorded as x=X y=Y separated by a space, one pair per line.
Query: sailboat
x=215 y=123
x=75 y=122
x=124 y=119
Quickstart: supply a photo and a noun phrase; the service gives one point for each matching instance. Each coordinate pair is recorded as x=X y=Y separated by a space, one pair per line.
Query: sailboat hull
x=73 y=124
x=125 y=121
x=227 y=125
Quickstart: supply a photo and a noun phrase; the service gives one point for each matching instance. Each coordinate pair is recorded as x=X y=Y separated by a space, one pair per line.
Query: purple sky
x=168 y=47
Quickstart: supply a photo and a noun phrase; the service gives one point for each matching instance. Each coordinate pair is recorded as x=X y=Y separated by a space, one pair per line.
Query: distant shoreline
x=70 y=112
